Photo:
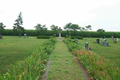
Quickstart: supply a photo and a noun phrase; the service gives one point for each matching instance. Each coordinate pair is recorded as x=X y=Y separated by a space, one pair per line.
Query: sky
x=100 y=14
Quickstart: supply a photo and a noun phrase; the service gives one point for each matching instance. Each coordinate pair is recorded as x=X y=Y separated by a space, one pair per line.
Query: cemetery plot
x=112 y=52
x=14 y=49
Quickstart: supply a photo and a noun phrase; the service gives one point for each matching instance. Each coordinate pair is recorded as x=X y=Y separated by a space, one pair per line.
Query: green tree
x=2 y=26
x=18 y=24
x=101 y=31
x=89 y=27
x=55 y=29
x=40 y=29
x=74 y=27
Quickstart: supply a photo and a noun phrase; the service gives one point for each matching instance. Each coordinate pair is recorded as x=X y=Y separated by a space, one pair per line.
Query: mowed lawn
x=112 y=52
x=63 y=65
x=13 y=49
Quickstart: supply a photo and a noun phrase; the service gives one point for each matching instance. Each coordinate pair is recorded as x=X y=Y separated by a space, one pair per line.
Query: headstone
x=89 y=37
x=0 y=36
x=112 y=38
x=97 y=41
x=86 y=45
x=117 y=39
x=19 y=35
x=106 y=44
x=104 y=37
x=102 y=42
x=24 y=35
x=77 y=41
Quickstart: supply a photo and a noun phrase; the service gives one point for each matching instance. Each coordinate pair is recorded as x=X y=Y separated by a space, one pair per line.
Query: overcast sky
x=103 y=14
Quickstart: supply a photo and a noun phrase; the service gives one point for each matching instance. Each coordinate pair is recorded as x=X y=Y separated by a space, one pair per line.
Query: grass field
x=14 y=49
x=112 y=52
x=63 y=66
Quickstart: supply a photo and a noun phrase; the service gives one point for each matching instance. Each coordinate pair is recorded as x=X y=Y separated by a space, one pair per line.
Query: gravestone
x=77 y=41
x=112 y=38
x=97 y=41
x=89 y=37
x=106 y=44
x=103 y=37
x=86 y=45
x=24 y=35
x=102 y=42
x=117 y=39
x=19 y=35
x=0 y=36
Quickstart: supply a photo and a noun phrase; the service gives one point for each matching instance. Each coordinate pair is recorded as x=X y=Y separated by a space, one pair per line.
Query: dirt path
x=63 y=66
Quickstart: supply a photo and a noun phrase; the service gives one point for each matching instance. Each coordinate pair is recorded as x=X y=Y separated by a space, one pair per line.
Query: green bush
x=10 y=32
x=43 y=37
x=72 y=46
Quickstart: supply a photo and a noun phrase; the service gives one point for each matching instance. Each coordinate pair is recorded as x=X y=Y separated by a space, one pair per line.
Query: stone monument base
x=59 y=35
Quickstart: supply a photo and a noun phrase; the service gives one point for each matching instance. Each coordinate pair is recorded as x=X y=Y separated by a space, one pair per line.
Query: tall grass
x=32 y=67
x=98 y=67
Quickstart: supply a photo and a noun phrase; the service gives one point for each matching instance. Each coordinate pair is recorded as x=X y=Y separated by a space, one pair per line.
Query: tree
x=88 y=27
x=2 y=26
x=101 y=31
x=70 y=26
x=40 y=28
x=18 y=23
x=55 y=29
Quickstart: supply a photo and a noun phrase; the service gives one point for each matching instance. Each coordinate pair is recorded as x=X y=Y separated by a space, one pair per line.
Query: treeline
x=10 y=32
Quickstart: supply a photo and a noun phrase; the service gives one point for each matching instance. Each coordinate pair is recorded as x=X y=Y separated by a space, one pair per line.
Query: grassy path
x=63 y=66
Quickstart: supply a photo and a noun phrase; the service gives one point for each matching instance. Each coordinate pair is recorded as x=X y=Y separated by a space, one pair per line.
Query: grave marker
x=77 y=41
x=24 y=35
x=102 y=42
x=0 y=36
x=117 y=39
x=86 y=45
x=97 y=41
x=106 y=44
